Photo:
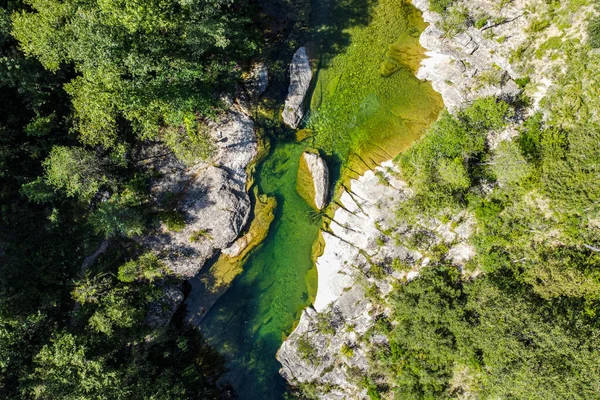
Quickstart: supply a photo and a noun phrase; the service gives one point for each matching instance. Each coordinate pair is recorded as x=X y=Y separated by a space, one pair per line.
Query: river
x=366 y=107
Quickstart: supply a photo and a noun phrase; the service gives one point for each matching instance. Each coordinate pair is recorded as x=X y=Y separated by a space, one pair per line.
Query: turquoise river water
x=366 y=101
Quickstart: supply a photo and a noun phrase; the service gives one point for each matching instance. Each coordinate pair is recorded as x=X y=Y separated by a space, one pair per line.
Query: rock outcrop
x=300 y=77
x=313 y=180
x=211 y=196
x=211 y=283
x=473 y=63
x=162 y=310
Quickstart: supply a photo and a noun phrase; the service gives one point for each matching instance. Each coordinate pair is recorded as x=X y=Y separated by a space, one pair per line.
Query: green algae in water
x=249 y=322
x=367 y=102
x=368 y=95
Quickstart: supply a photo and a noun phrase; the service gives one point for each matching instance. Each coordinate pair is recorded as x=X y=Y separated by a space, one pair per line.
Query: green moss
x=553 y=43
x=480 y=23
x=593 y=32
x=173 y=220
x=200 y=234
x=347 y=351
x=538 y=25
x=303 y=134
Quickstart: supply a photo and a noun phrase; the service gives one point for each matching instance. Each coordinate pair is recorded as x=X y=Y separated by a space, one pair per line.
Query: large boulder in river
x=300 y=77
x=208 y=199
x=313 y=180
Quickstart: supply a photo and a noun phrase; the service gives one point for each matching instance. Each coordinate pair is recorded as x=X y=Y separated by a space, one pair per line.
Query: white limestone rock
x=300 y=77
x=320 y=176
x=211 y=196
x=355 y=242
x=470 y=65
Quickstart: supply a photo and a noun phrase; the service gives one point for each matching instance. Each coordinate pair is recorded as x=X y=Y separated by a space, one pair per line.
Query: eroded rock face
x=300 y=77
x=211 y=196
x=470 y=65
x=162 y=310
x=320 y=177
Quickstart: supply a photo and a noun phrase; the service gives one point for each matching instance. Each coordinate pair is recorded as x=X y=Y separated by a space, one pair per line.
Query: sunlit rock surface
x=320 y=178
x=470 y=64
x=300 y=77
x=210 y=195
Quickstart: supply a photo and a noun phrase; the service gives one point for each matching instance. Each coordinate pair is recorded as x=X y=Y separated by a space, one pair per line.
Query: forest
x=528 y=326
x=82 y=84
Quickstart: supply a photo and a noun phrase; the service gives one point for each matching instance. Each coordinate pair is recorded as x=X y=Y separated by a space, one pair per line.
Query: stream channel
x=366 y=106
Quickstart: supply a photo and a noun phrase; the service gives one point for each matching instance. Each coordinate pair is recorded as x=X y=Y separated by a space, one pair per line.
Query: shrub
x=200 y=234
x=307 y=351
x=440 y=6
x=174 y=220
x=593 y=32
x=347 y=351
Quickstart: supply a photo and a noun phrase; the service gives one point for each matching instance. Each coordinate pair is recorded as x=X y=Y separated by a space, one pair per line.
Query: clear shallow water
x=358 y=114
x=250 y=321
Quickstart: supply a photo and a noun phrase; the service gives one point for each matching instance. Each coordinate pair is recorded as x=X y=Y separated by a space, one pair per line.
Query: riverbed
x=366 y=107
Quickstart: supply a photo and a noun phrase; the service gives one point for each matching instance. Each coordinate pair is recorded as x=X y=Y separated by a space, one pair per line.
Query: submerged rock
x=300 y=77
x=209 y=197
x=313 y=180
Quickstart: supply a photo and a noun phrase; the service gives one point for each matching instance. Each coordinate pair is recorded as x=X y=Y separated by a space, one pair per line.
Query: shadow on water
x=329 y=21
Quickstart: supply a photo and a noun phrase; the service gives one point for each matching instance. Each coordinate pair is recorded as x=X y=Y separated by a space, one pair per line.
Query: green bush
x=307 y=351
x=439 y=166
x=440 y=6
x=593 y=31
x=174 y=220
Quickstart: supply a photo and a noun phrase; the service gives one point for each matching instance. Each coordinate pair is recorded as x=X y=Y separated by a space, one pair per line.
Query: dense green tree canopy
x=153 y=64
x=99 y=77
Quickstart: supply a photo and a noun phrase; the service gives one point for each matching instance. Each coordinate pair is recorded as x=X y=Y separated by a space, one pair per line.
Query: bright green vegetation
x=527 y=327
x=101 y=76
x=249 y=322
x=366 y=99
x=155 y=65
x=443 y=165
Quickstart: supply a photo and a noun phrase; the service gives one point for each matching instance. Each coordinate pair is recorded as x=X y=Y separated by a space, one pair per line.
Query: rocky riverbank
x=207 y=204
x=328 y=349
x=209 y=197
x=360 y=241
